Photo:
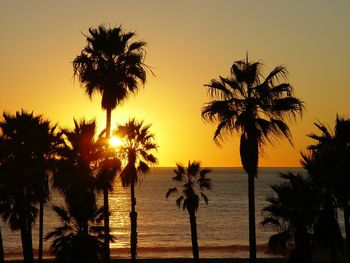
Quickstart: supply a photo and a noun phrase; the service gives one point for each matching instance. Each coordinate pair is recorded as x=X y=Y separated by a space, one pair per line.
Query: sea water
x=164 y=229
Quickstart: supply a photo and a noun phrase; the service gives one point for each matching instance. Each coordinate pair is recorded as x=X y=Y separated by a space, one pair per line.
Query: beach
x=185 y=260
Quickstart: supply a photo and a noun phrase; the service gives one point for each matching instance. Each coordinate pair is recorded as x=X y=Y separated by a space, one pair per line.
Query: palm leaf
x=170 y=191
x=205 y=198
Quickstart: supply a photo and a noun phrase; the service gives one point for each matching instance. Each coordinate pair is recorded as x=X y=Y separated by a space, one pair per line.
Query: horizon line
x=234 y=167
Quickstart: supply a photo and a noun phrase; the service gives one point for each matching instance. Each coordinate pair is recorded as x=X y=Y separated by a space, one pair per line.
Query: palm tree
x=112 y=66
x=329 y=161
x=192 y=177
x=83 y=162
x=27 y=145
x=256 y=109
x=138 y=143
x=77 y=242
x=292 y=212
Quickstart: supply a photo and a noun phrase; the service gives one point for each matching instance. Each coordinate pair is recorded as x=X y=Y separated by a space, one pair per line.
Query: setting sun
x=115 y=141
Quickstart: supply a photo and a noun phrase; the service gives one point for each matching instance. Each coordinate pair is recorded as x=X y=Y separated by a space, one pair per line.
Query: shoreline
x=182 y=260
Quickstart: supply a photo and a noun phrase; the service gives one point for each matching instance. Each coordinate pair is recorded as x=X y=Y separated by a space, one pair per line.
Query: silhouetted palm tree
x=292 y=213
x=27 y=145
x=193 y=177
x=327 y=233
x=329 y=161
x=112 y=66
x=137 y=147
x=77 y=242
x=256 y=109
x=82 y=164
x=84 y=161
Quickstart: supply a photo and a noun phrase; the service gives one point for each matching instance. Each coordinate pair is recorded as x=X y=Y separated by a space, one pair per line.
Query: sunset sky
x=189 y=43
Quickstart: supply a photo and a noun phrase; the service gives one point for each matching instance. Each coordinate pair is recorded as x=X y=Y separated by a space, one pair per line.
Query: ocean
x=163 y=228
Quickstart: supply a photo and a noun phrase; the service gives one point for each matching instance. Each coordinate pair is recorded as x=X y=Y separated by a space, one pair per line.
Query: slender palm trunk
x=133 y=221
x=2 y=260
x=194 y=238
x=347 y=228
x=41 y=228
x=23 y=231
x=252 y=231
x=249 y=151
x=26 y=242
x=30 y=240
x=105 y=196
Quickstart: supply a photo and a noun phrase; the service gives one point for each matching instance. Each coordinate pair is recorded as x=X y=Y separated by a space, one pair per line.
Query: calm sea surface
x=163 y=229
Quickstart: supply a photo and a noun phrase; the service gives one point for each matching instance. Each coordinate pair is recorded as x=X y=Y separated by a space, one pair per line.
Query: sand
x=184 y=260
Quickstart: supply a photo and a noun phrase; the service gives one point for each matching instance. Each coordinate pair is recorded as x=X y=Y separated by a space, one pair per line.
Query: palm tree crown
x=111 y=65
x=72 y=242
x=193 y=177
x=27 y=145
x=250 y=106
x=292 y=212
x=138 y=143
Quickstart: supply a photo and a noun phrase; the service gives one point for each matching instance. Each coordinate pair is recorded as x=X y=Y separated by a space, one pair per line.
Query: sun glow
x=115 y=141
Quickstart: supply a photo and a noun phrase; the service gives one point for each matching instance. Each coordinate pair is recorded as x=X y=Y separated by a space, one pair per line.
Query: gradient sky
x=189 y=43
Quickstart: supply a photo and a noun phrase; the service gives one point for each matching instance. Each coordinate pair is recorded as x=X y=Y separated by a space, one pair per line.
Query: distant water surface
x=163 y=229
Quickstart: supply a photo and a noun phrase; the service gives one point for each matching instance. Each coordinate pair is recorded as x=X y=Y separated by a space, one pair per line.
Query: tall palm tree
x=192 y=177
x=292 y=212
x=27 y=145
x=84 y=160
x=137 y=147
x=258 y=110
x=329 y=160
x=112 y=66
x=82 y=163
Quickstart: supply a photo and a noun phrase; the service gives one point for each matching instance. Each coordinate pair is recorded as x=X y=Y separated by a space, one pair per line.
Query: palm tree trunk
x=194 y=238
x=26 y=243
x=2 y=259
x=105 y=196
x=133 y=221
x=249 y=151
x=30 y=241
x=252 y=231
x=41 y=228
x=347 y=228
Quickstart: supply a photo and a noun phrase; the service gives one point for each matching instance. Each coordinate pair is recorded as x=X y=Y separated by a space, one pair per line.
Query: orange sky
x=189 y=43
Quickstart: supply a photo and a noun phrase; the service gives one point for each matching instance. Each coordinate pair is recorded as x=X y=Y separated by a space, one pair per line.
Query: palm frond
x=62 y=213
x=205 y=198
x=218 y=88
x=170 y=191
x=278 y=73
